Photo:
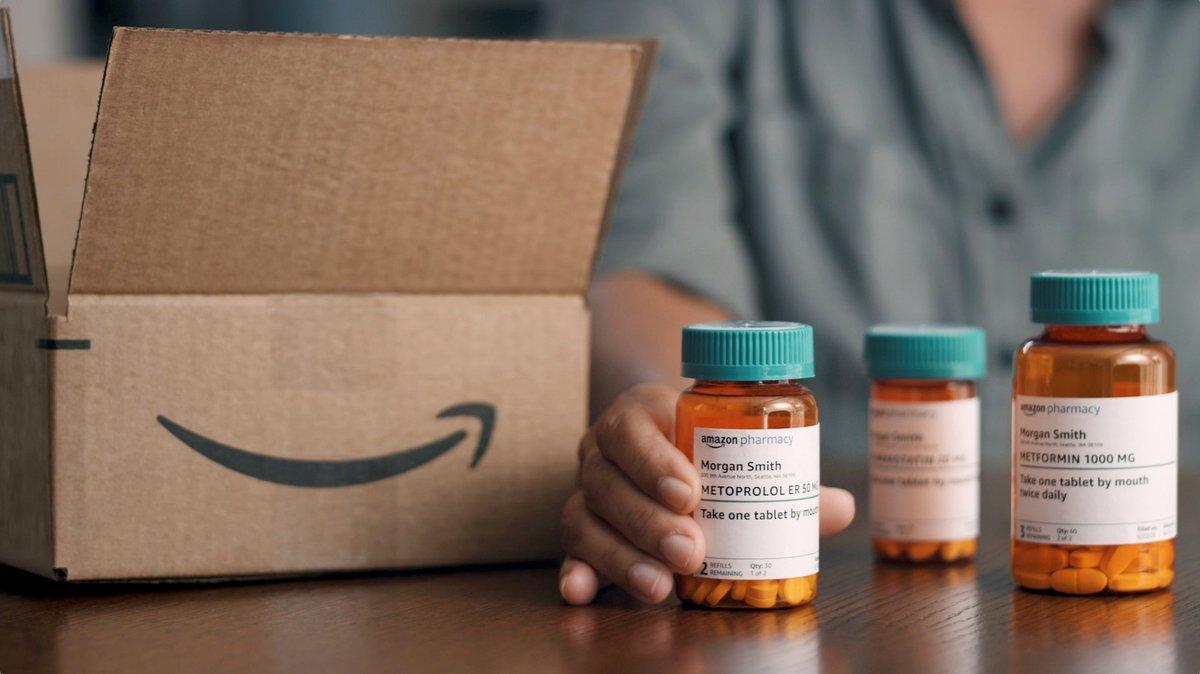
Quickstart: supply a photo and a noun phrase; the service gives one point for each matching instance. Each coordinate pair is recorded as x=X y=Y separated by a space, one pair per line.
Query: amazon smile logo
x=718 y=441
x=304 y=473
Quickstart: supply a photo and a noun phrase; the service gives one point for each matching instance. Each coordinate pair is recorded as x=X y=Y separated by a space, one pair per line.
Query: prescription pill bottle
x=751 y=430
x=924 y=441
x=1094 y=438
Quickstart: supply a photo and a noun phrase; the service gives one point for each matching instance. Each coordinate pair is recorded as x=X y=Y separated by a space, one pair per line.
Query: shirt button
x=1000 y=209
x=1005 y=356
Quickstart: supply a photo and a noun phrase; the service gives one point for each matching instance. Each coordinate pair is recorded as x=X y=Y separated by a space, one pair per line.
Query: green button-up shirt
x=844 y=163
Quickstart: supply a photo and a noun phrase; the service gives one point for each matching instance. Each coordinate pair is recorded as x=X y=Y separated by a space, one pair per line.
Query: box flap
x=21 y=263
x=257 y=163
x=60 y=108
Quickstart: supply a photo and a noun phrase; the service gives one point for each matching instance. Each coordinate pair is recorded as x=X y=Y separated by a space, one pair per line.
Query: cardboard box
x=326 y=308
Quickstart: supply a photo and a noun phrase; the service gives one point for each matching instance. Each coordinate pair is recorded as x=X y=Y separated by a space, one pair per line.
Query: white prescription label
x=1095 y=471
x=924 y=470
x=759 y=501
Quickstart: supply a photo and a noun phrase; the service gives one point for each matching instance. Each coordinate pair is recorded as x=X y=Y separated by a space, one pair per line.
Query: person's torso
x=874 y=120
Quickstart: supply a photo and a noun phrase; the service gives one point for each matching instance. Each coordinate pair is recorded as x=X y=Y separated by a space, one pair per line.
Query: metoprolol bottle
x=924 y=441
x=751 y=430
x=1095 y=438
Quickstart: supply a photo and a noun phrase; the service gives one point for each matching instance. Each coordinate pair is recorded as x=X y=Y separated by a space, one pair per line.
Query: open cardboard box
x=325 y=311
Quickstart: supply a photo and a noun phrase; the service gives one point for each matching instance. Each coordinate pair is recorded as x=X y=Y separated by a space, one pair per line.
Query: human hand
x=629 y=521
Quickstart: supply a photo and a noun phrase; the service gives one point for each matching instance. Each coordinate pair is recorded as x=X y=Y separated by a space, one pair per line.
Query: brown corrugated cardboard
x=26 y=516
x=410 y=165
x=326 y=311
x=60 y=106
x=312 y=377
x=21 y=267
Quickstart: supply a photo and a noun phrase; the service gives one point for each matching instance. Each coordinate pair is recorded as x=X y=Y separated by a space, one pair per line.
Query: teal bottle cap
x=748 y=351
x=926 y=351
x=1094 y=297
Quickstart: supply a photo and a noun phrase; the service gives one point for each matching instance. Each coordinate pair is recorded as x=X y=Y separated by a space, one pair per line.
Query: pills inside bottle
x=1095 y=439
x=750 y=428
x=924 y=459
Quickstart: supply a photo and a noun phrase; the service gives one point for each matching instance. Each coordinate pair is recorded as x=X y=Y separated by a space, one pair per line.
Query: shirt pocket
x=881 y=202
x=1176 y=215
x=1175 y=219
x=1112 y=219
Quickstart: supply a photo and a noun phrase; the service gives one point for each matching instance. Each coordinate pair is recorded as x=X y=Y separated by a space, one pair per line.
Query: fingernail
x=645 y=579
x=564 y=590
x=677 y=549
x=675 y=493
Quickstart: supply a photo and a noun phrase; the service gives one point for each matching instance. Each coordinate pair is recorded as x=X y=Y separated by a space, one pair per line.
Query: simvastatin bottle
x=924 y=441
x=1095 y=438
x=751 y=430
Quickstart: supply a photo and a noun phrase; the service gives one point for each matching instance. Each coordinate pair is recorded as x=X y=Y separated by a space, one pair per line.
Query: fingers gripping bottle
x=1095 y=439
x=751 y=430
x=924 y=441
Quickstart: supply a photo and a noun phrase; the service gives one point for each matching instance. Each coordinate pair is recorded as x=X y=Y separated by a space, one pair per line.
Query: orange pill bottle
x=924 y=441
x=1095 y=439
x=750 y=428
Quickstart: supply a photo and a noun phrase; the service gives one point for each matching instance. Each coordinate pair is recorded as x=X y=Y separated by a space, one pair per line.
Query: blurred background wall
x=69 y=29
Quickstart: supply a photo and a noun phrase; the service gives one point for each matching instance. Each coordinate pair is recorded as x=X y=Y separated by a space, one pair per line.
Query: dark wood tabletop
x=867 y=616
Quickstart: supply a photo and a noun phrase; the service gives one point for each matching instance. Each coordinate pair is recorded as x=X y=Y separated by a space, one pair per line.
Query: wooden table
x=867 y=617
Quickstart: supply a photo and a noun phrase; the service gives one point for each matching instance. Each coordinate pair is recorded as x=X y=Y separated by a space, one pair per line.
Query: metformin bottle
x=751 y=430
x=1095 y=438
x=924 y=441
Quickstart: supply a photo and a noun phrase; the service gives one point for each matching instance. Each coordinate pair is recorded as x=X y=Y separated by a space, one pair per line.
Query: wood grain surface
x=867 y=617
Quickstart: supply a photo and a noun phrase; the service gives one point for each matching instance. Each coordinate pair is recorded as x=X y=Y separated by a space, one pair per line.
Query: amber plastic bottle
x=924 y=441
x=1094 y=439
x=751 y=429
